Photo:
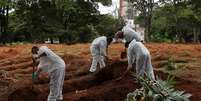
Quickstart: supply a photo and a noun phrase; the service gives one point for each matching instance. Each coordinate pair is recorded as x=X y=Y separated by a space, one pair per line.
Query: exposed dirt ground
x=80 y=85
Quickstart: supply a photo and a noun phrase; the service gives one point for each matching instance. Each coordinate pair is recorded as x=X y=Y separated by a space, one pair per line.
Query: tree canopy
x=80 y=21
x=174 y=21
x=68 y=20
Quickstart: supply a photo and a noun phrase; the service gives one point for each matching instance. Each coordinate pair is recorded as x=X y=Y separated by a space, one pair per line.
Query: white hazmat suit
x=55 y=67
x=98 y=52
x=130 y=34
x=139 y=53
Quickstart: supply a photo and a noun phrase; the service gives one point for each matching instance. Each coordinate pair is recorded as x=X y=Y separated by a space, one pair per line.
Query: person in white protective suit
x=99 y=52
x=55 y=67
x=138 y=53
x=128 y=34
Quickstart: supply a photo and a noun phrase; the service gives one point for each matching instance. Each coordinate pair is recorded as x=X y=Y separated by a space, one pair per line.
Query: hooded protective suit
x=55 y=67
x=139 y=53
x=98 y=52
x=130 y=34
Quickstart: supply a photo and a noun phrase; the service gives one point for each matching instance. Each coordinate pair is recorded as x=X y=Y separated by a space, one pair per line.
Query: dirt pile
x=24 y=94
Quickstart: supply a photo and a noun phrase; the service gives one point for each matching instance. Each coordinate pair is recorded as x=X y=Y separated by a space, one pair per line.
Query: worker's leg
x=101 y=61
x=61 y=79
x=94 y=64
x=94 y=52
x=140 y=65
x=54 y=85
x=149 y=68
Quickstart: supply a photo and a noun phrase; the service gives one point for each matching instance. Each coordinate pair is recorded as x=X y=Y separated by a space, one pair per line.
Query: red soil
x=79 y=85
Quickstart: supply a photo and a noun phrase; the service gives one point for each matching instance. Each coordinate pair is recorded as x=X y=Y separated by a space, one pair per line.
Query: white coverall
x=98 y=51
x=139 y=53
x=55 y=67
x=130 y=34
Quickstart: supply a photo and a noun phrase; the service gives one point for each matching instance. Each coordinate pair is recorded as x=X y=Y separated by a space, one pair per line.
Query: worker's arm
x=130 y=57
x=35 y=57
x=103 y=49
x=35 y=60
x=39 y=69
x=43 y=54
x=127 y=44
x=106 y=57
x=130 y=63
x=107 y=50
x=42 y=51
x=125 y=73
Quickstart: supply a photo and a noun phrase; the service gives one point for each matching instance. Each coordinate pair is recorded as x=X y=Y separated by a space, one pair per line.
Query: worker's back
x=51 y=61
x=99 y=40
x=137 y=48
x=130 y=34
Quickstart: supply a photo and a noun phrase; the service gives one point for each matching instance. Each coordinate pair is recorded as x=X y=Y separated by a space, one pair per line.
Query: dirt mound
x=112 y=71
x=109 y=91
x=24 y=94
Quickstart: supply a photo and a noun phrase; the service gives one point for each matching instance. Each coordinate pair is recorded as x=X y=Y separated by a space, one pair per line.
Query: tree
x=195 y=4
x=5 y=6
x=175 y=20
x=69 y=20
x=110 y=22
x=145 y=7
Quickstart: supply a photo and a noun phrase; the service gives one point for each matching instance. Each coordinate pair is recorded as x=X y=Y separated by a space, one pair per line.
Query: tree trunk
x=146 y=34
x=1 y=20
x=6 y=21
x=66 y=22
x=194 y=35
x=199 y=35
x=148 y=18
x=51 y=39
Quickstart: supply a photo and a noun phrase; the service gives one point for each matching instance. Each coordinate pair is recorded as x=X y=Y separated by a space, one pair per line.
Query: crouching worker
x=127 y=34
x=138 y=53
x=55 y=67
x=98 y=50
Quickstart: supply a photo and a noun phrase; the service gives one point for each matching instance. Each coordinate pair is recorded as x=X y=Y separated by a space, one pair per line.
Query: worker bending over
x=138 y=53
x=128 y=34
x=99 y=52
x=55 y=67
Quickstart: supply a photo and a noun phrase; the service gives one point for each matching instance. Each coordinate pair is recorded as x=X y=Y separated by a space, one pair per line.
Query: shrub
x=156 y=90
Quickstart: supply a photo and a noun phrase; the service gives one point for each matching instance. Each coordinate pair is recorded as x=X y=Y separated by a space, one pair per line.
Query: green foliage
x=171 y=65
x=105 y=2
x=87 y=33
x=157 y=90
x=110 y=22
x=158 y=37
x=175 y=21
x=35 y=20
x=69 y=20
